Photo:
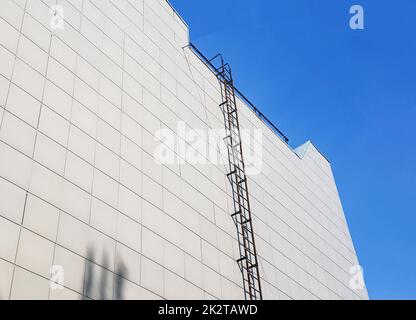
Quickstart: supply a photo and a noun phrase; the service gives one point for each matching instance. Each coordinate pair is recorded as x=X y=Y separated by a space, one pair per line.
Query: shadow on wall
x=99 y=282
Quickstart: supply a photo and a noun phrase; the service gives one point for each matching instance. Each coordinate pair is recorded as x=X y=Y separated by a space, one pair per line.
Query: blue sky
x=353 y=93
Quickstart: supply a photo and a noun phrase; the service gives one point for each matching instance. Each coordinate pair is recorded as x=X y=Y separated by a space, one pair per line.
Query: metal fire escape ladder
x=248 y=261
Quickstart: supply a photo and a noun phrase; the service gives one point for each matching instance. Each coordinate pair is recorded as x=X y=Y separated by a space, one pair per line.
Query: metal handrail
x=240 y=94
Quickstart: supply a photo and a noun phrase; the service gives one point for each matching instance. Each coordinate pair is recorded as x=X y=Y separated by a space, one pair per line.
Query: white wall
x=79 y=186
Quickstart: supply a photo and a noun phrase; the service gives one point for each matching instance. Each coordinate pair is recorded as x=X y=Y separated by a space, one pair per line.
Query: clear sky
x=353 y=93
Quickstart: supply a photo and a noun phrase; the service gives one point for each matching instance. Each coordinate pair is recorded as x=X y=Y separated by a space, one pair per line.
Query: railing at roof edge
x=259 y=114
x=248 y=102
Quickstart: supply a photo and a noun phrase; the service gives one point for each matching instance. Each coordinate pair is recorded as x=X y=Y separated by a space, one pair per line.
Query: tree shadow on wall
x=100 y=283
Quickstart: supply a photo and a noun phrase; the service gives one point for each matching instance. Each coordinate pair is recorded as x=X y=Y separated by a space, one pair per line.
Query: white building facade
x=89 y=210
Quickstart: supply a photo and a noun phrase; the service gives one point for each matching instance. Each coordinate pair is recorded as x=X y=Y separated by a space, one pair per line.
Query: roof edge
x=303 y=149
x=177 y=13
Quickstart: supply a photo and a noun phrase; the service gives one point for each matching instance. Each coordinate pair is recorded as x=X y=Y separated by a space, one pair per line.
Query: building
x=93 y=95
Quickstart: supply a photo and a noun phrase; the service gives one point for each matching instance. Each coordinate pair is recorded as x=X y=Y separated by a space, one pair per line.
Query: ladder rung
x=246 y=221
x=235 y=170
x=242 y=180
x=241 y=259
x=253 y=287
x=232 y=111
x=240 y=213
x=253 y=266
x=236 y=213
x=231 y=173
x=245 y=238
x=242 y=207
x=233 y=126
x=244 y=199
